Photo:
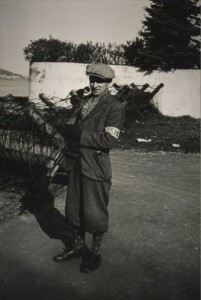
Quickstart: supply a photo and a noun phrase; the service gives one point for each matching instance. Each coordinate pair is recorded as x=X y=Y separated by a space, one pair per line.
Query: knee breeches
x=87 y=201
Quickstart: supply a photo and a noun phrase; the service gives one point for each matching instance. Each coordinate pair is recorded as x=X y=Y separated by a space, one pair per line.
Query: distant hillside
x=4 y=74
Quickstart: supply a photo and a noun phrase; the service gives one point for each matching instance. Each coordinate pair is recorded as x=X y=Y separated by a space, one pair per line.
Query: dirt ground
x=150 y=252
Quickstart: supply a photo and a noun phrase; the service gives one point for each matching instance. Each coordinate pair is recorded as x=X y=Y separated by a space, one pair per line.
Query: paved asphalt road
x=150 y=252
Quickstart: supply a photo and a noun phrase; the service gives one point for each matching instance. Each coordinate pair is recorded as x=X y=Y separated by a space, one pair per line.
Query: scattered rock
x=175 y=145
x=140 y=140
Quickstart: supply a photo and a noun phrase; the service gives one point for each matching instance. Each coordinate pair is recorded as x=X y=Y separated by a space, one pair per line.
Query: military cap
x=100 y=70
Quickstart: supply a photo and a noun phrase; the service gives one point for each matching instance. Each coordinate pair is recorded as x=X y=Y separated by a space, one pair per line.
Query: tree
x=53 y=50
x=169 y=38
x=84 y=53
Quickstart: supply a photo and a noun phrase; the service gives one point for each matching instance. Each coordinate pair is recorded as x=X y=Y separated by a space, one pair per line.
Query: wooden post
x=155 y=91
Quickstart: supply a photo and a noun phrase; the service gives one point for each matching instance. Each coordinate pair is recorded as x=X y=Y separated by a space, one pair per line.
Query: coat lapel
x=102 y=102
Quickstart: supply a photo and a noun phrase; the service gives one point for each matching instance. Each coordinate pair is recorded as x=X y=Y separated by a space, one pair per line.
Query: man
x=97 y=128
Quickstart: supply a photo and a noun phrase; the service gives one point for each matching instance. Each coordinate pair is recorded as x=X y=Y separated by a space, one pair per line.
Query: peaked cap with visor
x=100 y=70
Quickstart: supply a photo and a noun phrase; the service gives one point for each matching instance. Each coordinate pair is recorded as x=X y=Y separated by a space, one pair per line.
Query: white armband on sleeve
x=113 y=131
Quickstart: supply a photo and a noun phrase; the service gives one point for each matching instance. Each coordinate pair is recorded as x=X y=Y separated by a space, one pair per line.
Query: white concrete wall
x=179 y=96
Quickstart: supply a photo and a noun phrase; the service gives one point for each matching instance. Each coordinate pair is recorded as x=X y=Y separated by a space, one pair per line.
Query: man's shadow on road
x=49 y=218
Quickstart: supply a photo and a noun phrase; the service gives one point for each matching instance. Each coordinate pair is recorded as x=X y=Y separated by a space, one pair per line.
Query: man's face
x=98 y=85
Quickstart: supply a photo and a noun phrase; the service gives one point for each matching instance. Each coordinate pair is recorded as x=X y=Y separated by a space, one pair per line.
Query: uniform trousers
x=87 y=201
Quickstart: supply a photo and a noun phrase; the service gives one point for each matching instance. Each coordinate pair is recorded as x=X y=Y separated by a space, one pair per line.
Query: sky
x=21 y=21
